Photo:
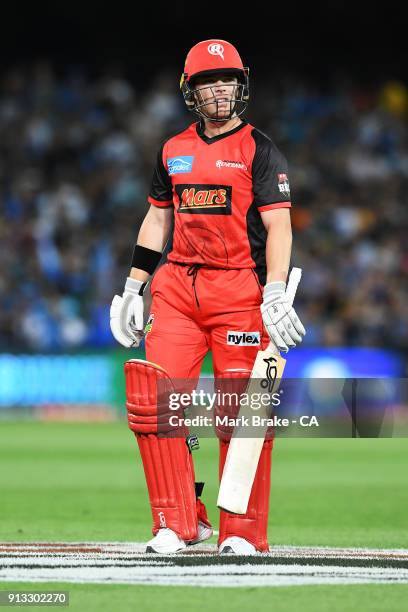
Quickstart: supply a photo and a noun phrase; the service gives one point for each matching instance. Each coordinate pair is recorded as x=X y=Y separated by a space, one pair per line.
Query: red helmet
x=207 y=58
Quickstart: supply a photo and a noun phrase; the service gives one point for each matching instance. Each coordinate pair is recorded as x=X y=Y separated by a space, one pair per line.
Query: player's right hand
x=126 y=314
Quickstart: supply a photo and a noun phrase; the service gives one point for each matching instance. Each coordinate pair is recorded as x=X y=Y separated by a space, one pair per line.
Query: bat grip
x=293 y=282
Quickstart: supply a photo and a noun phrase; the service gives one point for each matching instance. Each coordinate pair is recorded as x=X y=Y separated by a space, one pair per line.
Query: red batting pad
x=167 y=462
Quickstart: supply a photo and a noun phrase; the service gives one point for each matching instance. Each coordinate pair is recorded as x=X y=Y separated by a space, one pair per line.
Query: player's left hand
x=280 y=319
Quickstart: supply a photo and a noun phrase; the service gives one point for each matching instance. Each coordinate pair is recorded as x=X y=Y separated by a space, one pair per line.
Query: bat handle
x=293 y=282
x=291 y=288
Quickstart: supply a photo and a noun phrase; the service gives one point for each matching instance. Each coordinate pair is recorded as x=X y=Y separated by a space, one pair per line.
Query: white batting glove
x=280 y=319
x=126 y=314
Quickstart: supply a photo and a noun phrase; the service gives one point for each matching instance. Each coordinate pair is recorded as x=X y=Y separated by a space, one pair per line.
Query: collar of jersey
x=208 y=140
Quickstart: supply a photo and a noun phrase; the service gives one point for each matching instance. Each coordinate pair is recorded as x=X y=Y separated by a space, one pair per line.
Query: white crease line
x=218 y=576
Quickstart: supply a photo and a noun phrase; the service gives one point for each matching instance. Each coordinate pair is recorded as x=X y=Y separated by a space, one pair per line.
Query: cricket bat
x=244 y=452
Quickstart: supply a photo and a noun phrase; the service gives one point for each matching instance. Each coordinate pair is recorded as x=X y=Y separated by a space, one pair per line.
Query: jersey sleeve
x=270 y=182
x=161 y=190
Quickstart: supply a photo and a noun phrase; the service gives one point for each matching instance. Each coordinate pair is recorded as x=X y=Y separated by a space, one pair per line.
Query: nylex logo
x=180 y=165
x=242 y=338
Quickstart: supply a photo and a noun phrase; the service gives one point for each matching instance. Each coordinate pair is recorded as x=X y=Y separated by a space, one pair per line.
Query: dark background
x=318 y=39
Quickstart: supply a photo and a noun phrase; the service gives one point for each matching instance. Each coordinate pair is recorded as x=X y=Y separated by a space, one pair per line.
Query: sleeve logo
x=180 y=165
x=283 y=184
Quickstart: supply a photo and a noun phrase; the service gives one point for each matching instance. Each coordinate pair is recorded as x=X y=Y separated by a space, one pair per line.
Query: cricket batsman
x=222 y=185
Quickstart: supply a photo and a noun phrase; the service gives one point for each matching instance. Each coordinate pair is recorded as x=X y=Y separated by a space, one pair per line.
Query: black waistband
x=202 y=265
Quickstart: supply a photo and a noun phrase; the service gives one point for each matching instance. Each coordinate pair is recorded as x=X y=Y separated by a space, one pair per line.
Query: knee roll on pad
x=148 y=387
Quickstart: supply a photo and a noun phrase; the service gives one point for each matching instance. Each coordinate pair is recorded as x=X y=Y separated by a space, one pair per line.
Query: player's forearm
x=153 y=235
x=278 y=245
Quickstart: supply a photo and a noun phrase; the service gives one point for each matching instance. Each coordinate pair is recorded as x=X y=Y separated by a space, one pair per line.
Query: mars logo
x=204 y=199
x=216 y=49
x=283 y=184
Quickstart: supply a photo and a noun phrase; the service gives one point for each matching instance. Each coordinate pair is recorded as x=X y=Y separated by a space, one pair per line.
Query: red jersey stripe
x=160 y=204
x=273 y=206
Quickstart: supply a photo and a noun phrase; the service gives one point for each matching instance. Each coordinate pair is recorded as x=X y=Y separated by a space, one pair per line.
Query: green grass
x=73 y=482
x=85 y=482
x=101 y=598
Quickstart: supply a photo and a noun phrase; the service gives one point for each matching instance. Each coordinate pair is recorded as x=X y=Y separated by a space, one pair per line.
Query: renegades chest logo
x=204 y=199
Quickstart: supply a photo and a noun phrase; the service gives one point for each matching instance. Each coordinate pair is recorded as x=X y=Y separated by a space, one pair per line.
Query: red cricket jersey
x=218 y=186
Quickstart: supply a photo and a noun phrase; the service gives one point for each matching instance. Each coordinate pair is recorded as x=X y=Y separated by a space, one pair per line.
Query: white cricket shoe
x=204 y=533
x=166 y=541
x=236 y=546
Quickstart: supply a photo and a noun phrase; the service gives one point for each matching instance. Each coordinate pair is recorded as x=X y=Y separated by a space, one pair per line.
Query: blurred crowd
x=76 y=159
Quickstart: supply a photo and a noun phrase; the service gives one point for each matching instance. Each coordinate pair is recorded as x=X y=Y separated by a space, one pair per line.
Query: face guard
x=210 y=58
x=201 y=99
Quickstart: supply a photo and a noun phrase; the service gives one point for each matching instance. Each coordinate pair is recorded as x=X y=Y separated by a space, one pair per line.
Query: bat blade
x=244 y=449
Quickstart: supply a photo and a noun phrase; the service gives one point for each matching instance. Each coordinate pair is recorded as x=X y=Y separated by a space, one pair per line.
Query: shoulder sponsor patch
x=181 y=164
x=283 y=184
x=243 y=338
x=204 y=199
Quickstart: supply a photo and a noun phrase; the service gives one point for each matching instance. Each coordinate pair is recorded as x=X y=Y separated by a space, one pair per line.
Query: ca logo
x=216 y=49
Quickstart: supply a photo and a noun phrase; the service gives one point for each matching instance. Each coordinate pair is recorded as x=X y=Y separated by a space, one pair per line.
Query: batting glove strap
x=273 y=290
x=135 y=286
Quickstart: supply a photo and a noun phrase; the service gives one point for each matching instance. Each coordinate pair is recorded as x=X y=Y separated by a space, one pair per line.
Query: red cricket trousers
x=198 y=309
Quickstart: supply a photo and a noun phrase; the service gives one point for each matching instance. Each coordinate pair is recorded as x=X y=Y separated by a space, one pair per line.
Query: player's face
x=215 y=95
